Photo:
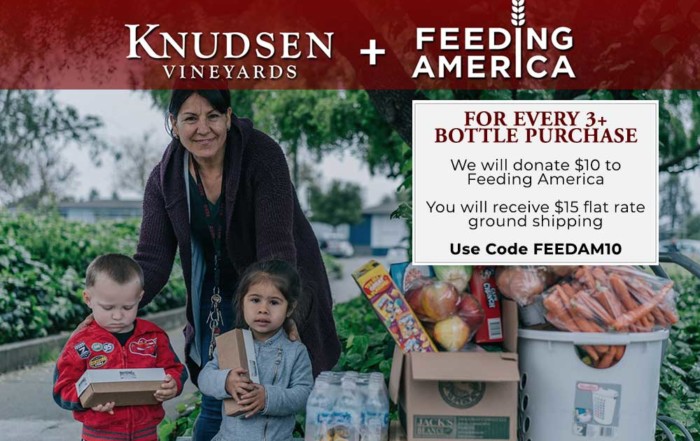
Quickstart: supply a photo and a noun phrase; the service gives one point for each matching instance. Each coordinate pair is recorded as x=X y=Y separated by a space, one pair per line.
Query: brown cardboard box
x=236 y=349
x=459 y=395
x=126 y=387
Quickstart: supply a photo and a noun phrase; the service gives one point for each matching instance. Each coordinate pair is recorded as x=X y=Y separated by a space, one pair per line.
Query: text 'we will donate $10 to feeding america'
x=535 y=182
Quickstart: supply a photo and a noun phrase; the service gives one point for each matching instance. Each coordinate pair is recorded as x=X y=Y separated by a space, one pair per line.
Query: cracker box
x=236 y=349
x=392 y=309
x=125 y=387
x=459 y=395
x=483 y=287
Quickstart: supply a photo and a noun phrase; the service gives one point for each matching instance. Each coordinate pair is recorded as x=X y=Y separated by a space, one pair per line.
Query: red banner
x=392 y=44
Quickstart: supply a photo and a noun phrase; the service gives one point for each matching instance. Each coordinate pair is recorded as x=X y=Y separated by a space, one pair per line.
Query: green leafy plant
x=679 y=394
x=42 y=262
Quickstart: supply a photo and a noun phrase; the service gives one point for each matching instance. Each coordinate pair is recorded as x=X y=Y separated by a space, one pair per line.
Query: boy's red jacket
x=96 y=348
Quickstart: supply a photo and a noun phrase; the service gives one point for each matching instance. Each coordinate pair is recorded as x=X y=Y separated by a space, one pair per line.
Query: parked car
x=337 y=247
x=399 y=252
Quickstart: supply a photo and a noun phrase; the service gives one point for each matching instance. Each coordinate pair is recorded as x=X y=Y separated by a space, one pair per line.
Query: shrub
x=42 y=266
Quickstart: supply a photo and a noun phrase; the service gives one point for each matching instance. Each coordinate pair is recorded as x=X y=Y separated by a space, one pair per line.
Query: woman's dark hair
x=219 y=100
x=281 y=274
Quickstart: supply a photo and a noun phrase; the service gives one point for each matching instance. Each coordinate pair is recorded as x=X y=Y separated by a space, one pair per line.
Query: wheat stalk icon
x=517 y=13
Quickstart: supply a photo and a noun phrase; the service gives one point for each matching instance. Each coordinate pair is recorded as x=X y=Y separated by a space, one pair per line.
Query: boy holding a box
x=116 y=339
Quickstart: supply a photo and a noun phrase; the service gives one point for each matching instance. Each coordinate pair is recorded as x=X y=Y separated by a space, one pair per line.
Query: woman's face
x=201 y=128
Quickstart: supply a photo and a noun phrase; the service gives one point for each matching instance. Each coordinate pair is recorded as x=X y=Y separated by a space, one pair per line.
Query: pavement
x=27 y=409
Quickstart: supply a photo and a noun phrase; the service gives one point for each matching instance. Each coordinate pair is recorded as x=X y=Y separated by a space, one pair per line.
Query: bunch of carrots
x=610 y=298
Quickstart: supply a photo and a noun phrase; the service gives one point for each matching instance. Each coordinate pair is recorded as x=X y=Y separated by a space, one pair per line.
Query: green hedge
x=42 y=266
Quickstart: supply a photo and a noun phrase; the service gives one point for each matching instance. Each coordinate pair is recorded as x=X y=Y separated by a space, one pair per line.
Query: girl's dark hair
x=281 y=274
x=219 y=100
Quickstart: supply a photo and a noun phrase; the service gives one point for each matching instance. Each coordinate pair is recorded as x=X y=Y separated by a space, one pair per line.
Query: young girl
x=266 y=296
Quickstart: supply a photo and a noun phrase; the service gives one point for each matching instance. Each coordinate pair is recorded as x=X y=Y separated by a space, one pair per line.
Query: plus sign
x=602 y=121
x=372 y=51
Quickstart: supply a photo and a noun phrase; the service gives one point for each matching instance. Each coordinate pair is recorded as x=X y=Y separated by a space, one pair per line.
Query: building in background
x=378 y=233
x=97 y=210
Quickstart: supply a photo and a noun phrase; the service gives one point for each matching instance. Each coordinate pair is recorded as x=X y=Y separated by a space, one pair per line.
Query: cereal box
x=392 y=309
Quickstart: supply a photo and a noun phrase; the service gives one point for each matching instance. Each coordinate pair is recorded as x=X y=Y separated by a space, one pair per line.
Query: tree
x=676 y=206
x=341 y=204
x=34 y=131
x=134 y=160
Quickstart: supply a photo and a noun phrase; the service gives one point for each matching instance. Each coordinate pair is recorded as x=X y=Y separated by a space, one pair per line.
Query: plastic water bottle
x=347 y=411
x=375 y=413
x=319 y=410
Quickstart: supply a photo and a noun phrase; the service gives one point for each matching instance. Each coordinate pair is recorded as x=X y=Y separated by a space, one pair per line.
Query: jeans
x=209 y=419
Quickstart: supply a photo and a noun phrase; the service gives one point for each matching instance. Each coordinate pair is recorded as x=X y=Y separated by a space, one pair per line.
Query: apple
x=451 y=333
x=414 y=297
x=471 y=312
x=439 y=300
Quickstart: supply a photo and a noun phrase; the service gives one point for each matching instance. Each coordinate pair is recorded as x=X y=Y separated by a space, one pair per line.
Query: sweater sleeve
x=274 y=202
x=169 y=361
x=283 y=401
x=155 y=252
x=69 y=368
x=212 y=380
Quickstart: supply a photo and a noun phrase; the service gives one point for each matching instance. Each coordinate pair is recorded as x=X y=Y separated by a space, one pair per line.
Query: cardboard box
x=392 y=309
x=459 y=395
x=236 y=349
x=126 y=387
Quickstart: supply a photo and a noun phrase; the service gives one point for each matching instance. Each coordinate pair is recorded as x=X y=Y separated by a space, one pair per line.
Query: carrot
x=583 y=299
x=586 y=277
x=641 y=311
x=622 y=293
x=585 y=323
x=568 y=289
x=600 y=276
x=619 y=352
x=607 y=359
x=557 y=313
x=663 y=315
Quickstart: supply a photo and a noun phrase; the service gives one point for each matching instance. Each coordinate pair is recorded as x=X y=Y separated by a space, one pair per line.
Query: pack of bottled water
x=347 y=406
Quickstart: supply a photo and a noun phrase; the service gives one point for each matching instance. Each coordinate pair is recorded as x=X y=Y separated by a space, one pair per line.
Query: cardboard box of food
x=126 y=387
x=459 y=395
x=236 y=349
x=392 y=309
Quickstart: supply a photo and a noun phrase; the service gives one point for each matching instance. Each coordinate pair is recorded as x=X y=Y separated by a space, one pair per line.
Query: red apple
x=471 y=312
x=439 y=300
x=452 y=333
x=414 y=297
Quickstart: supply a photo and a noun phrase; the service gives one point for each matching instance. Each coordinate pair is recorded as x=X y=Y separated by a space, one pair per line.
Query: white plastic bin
x=562 y=398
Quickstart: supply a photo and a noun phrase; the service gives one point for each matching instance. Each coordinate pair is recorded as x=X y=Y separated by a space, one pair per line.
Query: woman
x=222 y=195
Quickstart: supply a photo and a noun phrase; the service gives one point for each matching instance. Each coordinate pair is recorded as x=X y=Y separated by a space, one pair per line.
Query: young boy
x=116 y=339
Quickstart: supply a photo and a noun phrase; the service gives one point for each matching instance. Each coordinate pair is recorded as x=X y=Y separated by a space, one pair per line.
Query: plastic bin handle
x=591 y=338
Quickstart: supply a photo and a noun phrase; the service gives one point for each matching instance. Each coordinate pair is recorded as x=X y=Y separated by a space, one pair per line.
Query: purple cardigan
x=263 y=221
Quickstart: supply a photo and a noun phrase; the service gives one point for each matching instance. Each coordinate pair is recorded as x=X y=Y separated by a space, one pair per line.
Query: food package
x=450 y=317
x=483 y=287
x=458 y=275
x=404 y=273
x=524 y=283
x=392 y=308
x=611 y=298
